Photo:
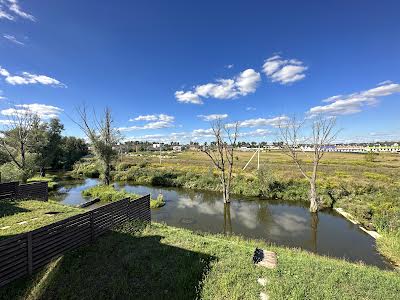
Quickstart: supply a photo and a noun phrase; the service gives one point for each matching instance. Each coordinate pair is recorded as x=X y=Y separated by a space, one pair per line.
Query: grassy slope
x=13 y=212
x=50 y=179
x=161 y=262
x=109 y=193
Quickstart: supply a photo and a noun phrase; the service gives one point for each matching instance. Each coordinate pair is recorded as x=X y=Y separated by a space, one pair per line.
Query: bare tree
x=323 y=133
x=221 y=153
x=16 y=138
x=103 y=138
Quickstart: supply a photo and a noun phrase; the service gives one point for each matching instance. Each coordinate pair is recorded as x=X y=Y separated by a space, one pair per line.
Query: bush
x=50 y=179
x=107 y=193
x=9 y=172
x=85 y=168
x=156 y=203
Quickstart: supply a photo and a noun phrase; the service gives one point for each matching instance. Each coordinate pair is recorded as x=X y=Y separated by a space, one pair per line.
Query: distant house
x=156 y=146
x=177 y=148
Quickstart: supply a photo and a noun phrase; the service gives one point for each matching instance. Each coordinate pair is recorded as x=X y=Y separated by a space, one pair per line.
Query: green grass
x=50 y=179
x=162 y=262
x=108 y=193
x=33 y=212
x=369 y=190
x=389 y=245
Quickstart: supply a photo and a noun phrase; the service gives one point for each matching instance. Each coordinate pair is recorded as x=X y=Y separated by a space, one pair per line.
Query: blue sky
x=166 y=67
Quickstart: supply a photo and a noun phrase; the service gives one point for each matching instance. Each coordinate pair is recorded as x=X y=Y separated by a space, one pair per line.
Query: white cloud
x=354 y=103
x=10 y=10
x=256 y=133
x=145 y=118
x=187 y=97
x=230 y=66
x=241 y=85
x=284 y=71
x=213 y=117
x=261 y=122
x=29 y=78
x=13 y=39
x=154 y=122
x=250 y=108
x=42 y=110
x=1 y=95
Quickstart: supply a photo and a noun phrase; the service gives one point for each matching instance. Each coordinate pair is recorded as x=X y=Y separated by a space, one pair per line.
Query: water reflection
x=314 y=231
x=227 y=219
x=282 y=223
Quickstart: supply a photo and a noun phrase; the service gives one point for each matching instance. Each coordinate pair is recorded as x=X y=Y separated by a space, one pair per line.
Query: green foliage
x=107 y=193
x=371 y=156
x=156 y=203
x=50 y=179
x=9 y=172
x=85 y=168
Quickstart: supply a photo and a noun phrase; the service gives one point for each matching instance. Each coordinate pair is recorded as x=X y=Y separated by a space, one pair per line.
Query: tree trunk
x=107 y=175
x=313 y=197
x=42 y=172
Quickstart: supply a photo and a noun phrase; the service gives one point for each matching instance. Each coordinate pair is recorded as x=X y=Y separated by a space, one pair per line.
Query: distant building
x=177 y=148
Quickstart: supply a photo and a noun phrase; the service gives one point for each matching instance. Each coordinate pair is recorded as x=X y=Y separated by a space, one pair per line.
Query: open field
x=386 y=168
x=158 y=261
x=22 y=216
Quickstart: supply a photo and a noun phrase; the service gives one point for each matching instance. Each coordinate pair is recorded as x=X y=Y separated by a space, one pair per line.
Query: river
x=280 y=223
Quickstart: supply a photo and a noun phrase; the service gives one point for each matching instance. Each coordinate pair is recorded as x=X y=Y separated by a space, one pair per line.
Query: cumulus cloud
x=213 y=117
x=42 y=110
x=255 y=133
x=11 y=10
x=354 y=103
x=284 y=71
x=29 y=78
x=261 y=122
x=154 y=122
x=241 y=85
x=13 y=39
x=188 y=97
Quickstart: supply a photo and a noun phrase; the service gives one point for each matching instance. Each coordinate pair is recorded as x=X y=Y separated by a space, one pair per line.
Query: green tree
x=73 y=149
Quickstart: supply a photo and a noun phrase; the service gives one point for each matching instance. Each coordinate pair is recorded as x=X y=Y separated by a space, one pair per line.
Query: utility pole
x=160 y=154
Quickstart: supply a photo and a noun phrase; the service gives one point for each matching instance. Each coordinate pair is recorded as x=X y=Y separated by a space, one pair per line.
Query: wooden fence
x=26 y=252
x=34 y=190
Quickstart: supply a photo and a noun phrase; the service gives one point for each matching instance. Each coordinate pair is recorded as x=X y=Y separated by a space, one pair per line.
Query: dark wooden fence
x=26 y=252
x=34 y=190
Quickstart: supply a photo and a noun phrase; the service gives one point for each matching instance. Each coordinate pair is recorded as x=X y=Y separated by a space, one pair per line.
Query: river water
x=281 y=223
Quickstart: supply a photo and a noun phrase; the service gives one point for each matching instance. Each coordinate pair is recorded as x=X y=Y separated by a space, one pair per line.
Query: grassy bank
x=109 y=193
x=22 y=216
x=369 y=190
x=162 y=262
x=50 y=179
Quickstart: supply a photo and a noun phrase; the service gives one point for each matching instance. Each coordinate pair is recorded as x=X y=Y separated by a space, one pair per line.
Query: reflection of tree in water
x=264 y=215
x=314 y=231
x=227 y=219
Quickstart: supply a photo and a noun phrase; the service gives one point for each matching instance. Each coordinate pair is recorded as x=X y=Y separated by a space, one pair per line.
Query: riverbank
x=369 y=191
x=161 y=261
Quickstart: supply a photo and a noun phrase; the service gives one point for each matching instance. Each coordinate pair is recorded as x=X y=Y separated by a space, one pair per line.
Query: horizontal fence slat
x=51 y=241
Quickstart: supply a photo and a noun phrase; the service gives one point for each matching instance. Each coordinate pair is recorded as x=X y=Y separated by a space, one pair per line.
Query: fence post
x=29 y=246
x=91 y=226
x=128 y=206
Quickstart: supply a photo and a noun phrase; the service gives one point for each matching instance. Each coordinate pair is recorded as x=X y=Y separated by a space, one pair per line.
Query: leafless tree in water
x=323 y=133
x=221 y=153
x=102 y=136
